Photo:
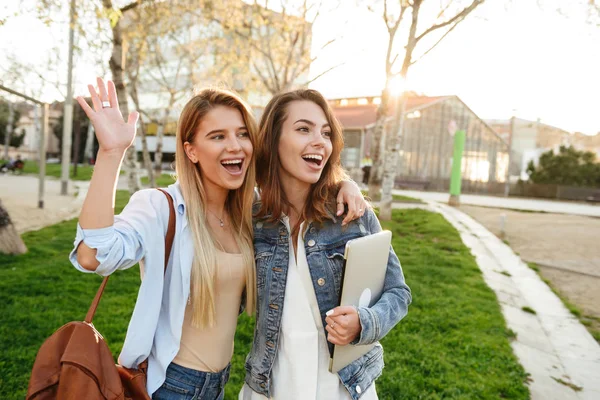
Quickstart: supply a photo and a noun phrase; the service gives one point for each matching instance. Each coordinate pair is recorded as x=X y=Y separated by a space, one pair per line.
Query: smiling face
x=221 y=148
x=305 y=143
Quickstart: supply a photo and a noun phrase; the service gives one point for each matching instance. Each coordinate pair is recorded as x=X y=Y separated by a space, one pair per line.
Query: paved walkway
x=19 y=195
x=515 y=203
x=552 y=345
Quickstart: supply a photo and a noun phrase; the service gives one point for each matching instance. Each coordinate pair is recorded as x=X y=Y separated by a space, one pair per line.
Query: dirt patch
x=565 y=247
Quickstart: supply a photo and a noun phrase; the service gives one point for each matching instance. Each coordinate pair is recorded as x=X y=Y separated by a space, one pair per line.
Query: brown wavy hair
x=320 y=204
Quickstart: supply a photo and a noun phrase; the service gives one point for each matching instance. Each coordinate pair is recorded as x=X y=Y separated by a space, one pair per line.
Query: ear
x=190 y=151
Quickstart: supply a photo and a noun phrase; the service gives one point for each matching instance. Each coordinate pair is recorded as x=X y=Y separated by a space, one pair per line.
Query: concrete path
x=552 y=345
x=561 y=207
x=19 y=195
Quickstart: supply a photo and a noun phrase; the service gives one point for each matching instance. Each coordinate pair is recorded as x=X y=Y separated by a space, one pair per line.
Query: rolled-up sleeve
x=123 y=244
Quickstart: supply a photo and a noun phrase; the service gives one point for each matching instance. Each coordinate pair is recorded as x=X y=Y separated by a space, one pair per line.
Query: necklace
x=217 y=217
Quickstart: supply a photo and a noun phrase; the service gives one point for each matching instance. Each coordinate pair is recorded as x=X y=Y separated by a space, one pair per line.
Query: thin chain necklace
x=217 y=217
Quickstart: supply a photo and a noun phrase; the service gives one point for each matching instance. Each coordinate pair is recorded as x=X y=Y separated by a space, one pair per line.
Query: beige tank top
x=211 y=349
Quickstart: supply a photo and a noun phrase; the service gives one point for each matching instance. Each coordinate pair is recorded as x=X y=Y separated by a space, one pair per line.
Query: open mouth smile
x=233 y=166
x=314 y=160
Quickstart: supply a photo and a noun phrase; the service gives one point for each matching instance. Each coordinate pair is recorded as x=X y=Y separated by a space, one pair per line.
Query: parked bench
x=594 y=197
x=415 y=184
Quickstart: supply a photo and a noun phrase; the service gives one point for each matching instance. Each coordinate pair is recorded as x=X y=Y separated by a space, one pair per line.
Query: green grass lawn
x=452 y=345
x=162 y=181
x=84 y=172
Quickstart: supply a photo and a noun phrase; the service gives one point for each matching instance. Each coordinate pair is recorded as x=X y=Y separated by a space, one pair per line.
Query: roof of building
x=363 y=115
x=504 y=124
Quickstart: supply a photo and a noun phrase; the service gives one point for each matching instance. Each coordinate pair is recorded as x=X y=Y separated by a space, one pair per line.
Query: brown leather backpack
x=75 y=362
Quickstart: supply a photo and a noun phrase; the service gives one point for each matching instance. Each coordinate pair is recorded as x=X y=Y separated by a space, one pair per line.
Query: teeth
x=231 y=162
x=313 y=156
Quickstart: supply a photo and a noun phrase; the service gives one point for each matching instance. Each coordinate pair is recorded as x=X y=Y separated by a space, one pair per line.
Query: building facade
x=226 y=59
x=530 y=139
x=426 y=145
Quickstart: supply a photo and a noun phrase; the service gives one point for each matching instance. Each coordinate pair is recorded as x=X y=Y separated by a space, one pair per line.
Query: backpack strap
x=169 y=238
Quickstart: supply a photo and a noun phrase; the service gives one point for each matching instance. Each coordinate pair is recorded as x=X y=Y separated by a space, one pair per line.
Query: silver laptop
x=363 y=276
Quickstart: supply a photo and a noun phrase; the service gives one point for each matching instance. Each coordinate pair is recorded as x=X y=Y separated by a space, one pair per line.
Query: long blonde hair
x=238 y=205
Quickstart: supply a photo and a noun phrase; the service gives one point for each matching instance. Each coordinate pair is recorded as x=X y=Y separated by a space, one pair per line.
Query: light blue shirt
x=155 y=327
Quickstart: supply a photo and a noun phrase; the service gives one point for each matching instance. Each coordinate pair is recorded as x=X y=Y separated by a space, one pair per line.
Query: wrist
x=111 y=153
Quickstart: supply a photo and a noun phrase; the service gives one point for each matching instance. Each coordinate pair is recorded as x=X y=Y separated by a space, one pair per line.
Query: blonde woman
x=183 y=321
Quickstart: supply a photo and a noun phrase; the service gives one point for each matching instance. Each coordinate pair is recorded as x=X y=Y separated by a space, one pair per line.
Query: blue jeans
x=189 y=384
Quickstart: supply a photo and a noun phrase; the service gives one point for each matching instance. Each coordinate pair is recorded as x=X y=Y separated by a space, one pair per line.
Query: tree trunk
x=159 y=144
x=116 y=64
x=146 y=156
x=10 y=241
x=391 y=162
x=393 y=142
x=145 y=153
x=375 y=153
x=89 y=143
x=159 y=137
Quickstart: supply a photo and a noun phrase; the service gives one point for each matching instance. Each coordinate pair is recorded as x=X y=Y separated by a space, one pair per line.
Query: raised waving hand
x=112 y=131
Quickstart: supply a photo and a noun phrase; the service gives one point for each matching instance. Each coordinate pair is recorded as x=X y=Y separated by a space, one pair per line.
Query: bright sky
x=510 y=59
x=519 y=57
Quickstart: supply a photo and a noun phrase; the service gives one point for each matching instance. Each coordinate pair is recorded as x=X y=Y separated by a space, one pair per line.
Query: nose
x=318 y=140
x=233 y=145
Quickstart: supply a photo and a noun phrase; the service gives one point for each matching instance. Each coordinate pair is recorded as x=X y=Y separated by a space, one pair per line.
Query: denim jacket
x=325 y=245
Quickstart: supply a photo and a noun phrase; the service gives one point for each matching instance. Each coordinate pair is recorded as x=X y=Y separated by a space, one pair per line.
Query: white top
x=301 y=368
x=154 y=332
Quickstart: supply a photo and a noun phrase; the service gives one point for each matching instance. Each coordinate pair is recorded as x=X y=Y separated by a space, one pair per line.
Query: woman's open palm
x=112 y=131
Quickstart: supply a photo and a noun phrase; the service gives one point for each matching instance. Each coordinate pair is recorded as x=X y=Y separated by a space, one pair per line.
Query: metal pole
x=77 y=128
x=510 y=139
x=68 y=111
x=9 y=128
x=42 y=155
x=456 y=177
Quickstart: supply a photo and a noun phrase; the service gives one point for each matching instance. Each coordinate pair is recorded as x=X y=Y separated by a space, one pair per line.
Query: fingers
x=86 y=108
x=331 y=328
x=351 y=215
x=102 y=89
x=95 y=99
x=340 y=208
x=133 y=118
x=331 y=338
x=360 y=206
x=112 y=95
x=339 y=324
x=341 y=310
x=344 y=310
x=336 y=338
x=340 y=203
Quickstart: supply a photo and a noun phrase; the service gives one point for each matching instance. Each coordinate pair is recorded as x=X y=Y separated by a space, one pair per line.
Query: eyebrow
x=311 y=123
x=224 y=131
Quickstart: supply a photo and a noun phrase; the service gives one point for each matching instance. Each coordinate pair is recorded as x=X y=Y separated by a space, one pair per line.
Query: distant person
x=12 y=165
x=367 y=164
